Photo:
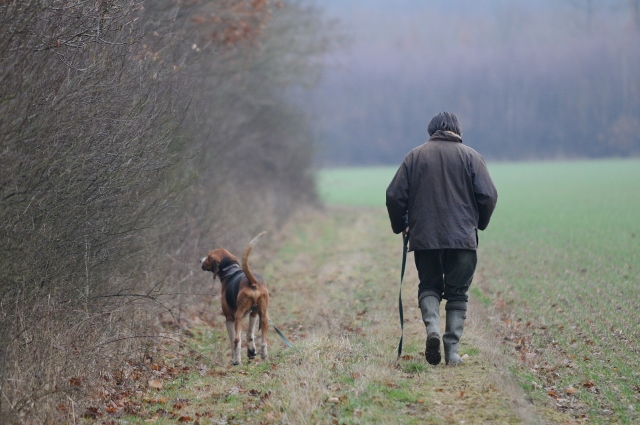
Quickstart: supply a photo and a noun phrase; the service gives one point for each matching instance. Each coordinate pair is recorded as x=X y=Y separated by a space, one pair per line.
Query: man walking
x=440 y=196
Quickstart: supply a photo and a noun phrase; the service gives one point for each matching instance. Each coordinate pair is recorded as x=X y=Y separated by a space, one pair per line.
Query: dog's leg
x=251 y=337
x=237 y=343
x=264 y=325
x=231 y=330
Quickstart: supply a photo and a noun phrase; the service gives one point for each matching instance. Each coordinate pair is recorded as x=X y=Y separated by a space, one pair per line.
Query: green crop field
x=560 y=265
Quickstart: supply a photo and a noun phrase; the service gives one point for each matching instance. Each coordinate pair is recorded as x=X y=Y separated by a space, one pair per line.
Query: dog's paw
x=235 y=359
x=264 y=353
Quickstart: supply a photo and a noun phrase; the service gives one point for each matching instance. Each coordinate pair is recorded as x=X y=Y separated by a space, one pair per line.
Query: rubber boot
x=452 y=334
x=430 y=308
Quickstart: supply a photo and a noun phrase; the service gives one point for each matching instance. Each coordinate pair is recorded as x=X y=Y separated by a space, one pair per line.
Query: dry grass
x=334 y=286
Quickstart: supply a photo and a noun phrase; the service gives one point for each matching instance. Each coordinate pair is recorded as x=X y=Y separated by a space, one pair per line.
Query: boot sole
x=432 y=352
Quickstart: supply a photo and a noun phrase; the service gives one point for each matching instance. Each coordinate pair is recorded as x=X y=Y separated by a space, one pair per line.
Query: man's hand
x=405 y=232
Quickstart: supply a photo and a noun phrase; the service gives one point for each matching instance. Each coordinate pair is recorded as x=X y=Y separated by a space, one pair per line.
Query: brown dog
x=242 y=293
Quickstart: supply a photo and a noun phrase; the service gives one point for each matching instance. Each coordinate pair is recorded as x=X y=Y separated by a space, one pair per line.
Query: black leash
x=284 y=338
x=405 y=244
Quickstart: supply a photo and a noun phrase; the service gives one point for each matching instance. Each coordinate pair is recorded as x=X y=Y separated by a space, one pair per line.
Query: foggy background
x=529 y=80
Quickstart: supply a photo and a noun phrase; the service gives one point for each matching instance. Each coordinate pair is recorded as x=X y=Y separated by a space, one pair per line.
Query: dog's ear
x=209 y=264
x=214 y=267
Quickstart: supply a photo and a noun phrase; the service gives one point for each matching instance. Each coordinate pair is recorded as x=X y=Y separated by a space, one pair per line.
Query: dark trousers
x=446 y=274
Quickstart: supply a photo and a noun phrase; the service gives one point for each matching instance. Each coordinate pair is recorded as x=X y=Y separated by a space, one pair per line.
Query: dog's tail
x=245 y=260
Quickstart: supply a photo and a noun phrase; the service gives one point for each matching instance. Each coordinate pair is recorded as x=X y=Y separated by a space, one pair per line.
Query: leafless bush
x=134 y=137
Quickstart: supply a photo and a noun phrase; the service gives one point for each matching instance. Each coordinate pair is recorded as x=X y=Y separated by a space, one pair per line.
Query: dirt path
x=357 y=265
x=334 y=288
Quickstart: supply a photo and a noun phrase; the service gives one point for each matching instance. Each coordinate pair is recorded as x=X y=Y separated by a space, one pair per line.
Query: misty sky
x=399 y=51
x=394 y=26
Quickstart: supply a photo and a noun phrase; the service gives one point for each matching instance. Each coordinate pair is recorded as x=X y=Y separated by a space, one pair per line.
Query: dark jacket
x=443 y=193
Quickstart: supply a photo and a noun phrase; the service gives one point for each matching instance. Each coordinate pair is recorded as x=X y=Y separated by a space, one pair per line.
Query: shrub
x=134 y=138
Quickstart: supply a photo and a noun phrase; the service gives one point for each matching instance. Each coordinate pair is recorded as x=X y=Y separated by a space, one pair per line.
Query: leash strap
x=405 y=244
x=284 y=338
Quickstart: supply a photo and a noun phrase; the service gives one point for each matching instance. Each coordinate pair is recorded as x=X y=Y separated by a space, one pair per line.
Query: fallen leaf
x=91 y=413
x=156 y=384
x=571 y=390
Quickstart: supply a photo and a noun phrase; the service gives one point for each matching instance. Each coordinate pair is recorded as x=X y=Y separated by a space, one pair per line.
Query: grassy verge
x=334 y=294
x=559 y=272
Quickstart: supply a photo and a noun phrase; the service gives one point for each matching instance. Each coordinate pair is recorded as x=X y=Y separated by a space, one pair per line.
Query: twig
x=165 y=337
x=73 y=410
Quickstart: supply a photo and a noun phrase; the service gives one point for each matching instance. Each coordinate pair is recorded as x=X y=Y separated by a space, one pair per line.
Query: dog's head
x=216 y=260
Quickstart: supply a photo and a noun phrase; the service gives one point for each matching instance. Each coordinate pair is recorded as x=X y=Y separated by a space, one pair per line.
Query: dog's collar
x=228 y=271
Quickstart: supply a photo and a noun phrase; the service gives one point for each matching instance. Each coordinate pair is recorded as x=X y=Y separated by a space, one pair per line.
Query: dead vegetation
x=133 y=138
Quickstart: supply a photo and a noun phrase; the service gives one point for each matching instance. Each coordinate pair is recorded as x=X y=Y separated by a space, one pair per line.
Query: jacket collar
x=449 y=136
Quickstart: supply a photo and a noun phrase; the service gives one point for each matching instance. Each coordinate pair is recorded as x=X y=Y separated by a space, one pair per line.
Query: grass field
x=551 y=334
x=560 y=264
